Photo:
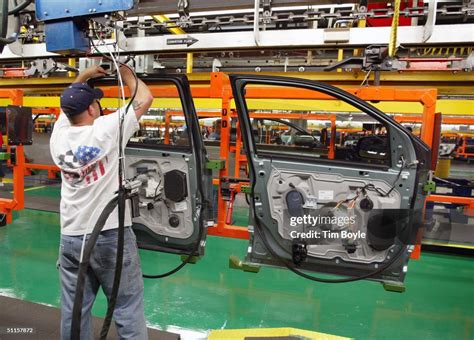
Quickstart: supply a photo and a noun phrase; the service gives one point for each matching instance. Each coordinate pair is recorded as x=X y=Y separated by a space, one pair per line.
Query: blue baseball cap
x=77 y=97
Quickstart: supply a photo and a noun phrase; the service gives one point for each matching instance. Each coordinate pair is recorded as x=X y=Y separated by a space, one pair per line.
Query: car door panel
x=168 y=221
x=288 y=186
x=175 y=190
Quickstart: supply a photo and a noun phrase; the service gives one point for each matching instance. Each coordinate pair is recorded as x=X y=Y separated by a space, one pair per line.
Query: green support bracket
x=246 y=189
x=215 y=164
x=430 y=186
x=4 y=156
x=193 y=260
x=394 y=287
x=236 y=263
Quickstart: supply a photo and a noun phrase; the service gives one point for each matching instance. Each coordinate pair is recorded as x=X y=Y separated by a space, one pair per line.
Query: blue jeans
x=128 y=314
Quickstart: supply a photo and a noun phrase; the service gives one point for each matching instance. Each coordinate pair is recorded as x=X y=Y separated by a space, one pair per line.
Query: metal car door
x=168 y=157
x=353 y=211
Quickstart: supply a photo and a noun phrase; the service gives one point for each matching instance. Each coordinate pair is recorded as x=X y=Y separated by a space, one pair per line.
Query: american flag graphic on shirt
x=85 y=154
x=83 y=166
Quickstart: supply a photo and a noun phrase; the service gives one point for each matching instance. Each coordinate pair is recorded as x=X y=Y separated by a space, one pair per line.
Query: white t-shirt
x=88 y=159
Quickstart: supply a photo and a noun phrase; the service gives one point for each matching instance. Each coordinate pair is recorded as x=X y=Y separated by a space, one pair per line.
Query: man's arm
x=90 y=72
x=144 y=98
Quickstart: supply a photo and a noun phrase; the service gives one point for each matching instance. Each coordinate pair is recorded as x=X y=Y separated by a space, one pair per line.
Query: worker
x=84 y=145
x=216 y=133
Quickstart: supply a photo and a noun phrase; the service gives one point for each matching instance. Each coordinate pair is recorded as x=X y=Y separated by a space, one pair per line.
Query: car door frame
x=201 y=199
x=239 y=83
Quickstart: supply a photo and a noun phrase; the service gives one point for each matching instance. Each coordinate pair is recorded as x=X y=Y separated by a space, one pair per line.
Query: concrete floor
x=438 y=303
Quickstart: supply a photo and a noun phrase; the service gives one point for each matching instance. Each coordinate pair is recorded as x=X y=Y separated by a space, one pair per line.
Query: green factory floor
x=438 y=303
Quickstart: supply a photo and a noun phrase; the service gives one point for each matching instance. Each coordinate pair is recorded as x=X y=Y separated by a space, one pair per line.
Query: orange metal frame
x=7 y=206
x=237 y=149
x=426 y=97
x=13 y=72
x=52 y=169
x=461 y=150
x=445 y=120
x=220 y=88
x=49 y=111
x=467 y=201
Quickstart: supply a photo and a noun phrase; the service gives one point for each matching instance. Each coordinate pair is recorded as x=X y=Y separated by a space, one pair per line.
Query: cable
x=121 y=115
x=201 y=227
x=121 y=118
x=372 y=187
x=348 y=200
x=123 y=99
x=119 y=76
x=156 y=196
x=366 y=78
x=446 y=181
x=117 y=68
x=14 y=36
x=118 y=267
x=121 y=192
x=185 y=261
x=3 y=21
x=18 y=8
x=402 y=166
x=121 y=210
x=83 y=267
x=292 y=268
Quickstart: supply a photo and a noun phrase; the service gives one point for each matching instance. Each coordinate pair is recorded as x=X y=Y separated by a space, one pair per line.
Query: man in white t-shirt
x=85 y=145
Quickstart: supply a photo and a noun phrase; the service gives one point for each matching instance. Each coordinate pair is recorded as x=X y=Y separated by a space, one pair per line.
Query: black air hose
x=18 y=8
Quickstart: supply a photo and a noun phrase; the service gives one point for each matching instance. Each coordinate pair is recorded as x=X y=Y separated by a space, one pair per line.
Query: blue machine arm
x=66 y=21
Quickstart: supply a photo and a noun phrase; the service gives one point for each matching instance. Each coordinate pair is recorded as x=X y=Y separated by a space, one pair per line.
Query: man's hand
x=90 y=72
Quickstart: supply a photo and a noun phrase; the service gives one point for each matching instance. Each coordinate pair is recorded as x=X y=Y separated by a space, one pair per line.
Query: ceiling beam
x=148 y=7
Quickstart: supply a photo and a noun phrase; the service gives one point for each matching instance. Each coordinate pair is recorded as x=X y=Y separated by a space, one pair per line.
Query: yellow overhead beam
x=445 y=106
x=404 y=78
x=445 y=82
x=159 y=103
x=199 y=103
